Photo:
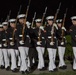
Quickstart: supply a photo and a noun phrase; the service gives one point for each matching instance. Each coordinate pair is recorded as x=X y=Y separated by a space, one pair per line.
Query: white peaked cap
x=28 y=23
x=49 y=17
x=59 y=20
x=5 y=23
x=73 y=17
x=21 y=16
x=1 y=25
x=12 y=20
x=38 y=20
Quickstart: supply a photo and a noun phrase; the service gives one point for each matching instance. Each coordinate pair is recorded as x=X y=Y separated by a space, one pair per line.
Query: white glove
x=11 y=43
x=64 y=28
x=41 y=27
x=33 y=27
x=21 y=42
x=52 y=32
x=5 y=45
x=62 y=43
x=28 y=26
x=0 y=45
x=28 y=23
x=55 y=25
x=51 y=43
x=38 y=43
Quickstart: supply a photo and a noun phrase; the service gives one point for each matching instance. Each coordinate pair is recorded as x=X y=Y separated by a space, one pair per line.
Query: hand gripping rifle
x=25 y=20
x=52 y=35
x=63 y=25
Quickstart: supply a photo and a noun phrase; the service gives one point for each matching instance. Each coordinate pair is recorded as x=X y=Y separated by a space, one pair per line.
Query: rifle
x=45 y=24
x=19 y=10
x=16 y=23
x=27 y=9
x=25 y=20
x=63 y=25
x=33 y=19
x=7 y=19
x=8 y=16
x=39 y=33
x=52 y=35
x=43 y=15
x=18 y=13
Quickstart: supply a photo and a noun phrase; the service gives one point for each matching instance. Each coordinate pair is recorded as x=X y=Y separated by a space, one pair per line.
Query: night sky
x=39 y=7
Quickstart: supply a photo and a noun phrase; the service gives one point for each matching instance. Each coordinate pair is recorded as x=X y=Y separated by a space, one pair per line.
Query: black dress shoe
x=2 y=67
x=55 y=69
x=15 y=70
x=8 y=68
x=51 y=71
x=43 y=68
x=61 y=67
x=18 y=66
x=74 y=69
x=23 y=72
x=64 y=66
x=27 y=72
x=40 y=69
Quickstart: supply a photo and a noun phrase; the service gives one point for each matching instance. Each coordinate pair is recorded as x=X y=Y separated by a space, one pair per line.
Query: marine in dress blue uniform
x=61 y=43
x=73 y=38
x=51 y=46
x=23 y=44
x=39 y=41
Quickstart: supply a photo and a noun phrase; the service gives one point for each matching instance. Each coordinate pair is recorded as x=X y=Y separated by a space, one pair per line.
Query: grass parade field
x=68 y=71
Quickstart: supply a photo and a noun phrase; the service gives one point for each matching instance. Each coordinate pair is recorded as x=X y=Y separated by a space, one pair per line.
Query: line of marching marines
x=17 y=38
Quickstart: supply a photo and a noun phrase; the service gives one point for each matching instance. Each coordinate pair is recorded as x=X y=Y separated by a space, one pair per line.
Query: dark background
x=39 y=7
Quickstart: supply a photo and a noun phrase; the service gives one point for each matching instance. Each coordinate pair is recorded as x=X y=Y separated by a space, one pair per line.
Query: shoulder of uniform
x=72 y=26
x=9 y=28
